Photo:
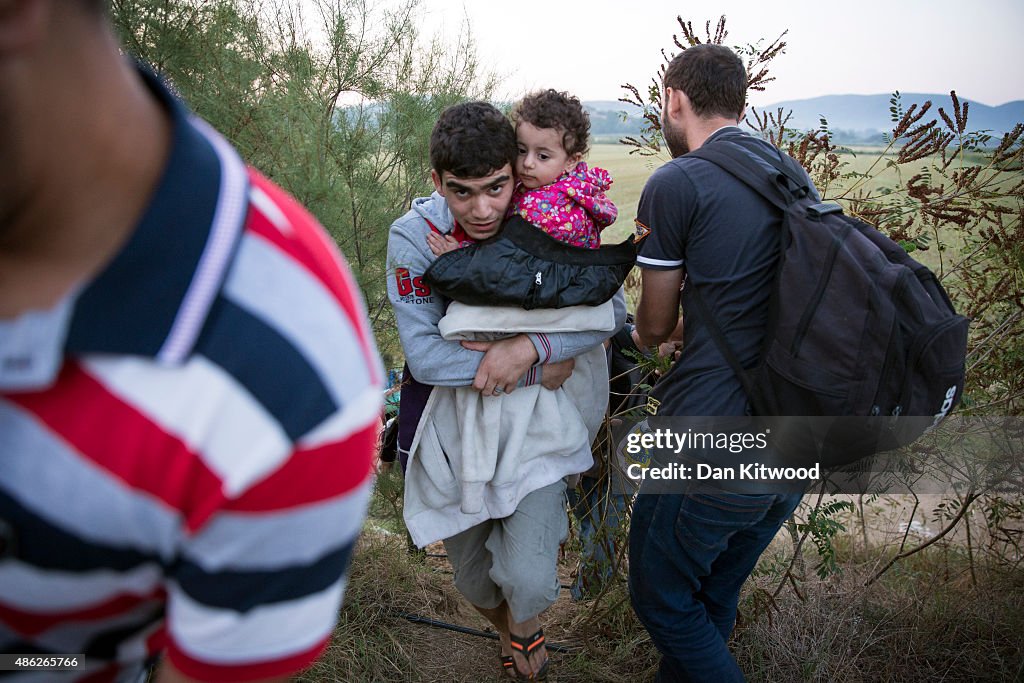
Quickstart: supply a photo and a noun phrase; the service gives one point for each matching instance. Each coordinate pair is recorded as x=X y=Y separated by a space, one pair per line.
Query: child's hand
x=441 y=244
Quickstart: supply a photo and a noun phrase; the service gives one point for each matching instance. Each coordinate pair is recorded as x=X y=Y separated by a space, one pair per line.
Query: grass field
x=630 y=171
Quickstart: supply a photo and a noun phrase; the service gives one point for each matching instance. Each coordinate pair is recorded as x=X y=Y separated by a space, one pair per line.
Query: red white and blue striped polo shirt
x=186 y=440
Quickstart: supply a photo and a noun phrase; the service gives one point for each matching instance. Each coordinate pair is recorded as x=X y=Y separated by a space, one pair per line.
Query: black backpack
x=856 y=328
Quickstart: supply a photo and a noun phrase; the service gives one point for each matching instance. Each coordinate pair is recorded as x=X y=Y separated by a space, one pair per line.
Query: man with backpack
x=697 y=225
x=818 y=325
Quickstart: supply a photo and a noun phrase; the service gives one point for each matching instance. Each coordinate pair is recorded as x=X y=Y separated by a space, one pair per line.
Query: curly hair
x=712 y=77
x=472 y=140
x=559 y=110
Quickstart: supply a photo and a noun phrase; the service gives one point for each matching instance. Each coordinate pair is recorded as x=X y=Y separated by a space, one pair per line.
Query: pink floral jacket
x=573 y=209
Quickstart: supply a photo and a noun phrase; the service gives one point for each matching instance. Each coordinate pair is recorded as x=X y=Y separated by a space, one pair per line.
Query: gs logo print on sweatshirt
x=413 y=290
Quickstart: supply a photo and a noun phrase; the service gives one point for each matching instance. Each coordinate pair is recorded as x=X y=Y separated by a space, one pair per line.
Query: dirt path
x=446 y=655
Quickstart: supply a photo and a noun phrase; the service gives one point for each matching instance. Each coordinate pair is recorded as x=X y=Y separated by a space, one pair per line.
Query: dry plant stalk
x=757 y=62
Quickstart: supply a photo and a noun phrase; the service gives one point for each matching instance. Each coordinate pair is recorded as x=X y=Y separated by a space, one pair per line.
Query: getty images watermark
x=839 y=455
x=640 y=442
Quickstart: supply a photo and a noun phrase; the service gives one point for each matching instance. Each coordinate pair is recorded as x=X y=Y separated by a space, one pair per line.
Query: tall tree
x=333 y=99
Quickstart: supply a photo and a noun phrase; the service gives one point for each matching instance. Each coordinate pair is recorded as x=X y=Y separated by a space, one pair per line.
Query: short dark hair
x=713 y=77
x=472 y=140
x=559 y=110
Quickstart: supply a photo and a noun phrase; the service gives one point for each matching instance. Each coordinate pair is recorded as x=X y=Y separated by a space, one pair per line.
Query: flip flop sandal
x=525 y=646
x=509 y=665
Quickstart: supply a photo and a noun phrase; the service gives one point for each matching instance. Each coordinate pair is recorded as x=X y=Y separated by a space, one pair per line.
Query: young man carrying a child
x=504 y=553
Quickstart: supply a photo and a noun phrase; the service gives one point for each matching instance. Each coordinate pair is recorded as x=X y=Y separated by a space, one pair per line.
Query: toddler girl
x=556 y=191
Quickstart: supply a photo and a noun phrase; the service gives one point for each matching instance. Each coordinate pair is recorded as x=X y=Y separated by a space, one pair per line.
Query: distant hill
x=851 y=118
x=606 y=105
x=870 y=113
x=606 y=118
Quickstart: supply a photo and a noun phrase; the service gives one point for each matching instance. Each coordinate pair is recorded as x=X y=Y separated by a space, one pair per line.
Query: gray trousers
x=514 y=559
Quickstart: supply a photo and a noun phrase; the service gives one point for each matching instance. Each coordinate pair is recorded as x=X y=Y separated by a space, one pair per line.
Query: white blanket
x=475 y=457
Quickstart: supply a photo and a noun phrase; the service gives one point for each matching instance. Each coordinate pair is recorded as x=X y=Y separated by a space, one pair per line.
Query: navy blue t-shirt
x=725 y=236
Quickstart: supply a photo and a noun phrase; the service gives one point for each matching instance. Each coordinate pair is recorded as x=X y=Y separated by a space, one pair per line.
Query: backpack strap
x=799 y=184
x=770 y=177
x=779 y=184
x=730 y=357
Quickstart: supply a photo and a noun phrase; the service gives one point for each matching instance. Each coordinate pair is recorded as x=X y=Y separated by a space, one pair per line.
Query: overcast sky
x=591 y=47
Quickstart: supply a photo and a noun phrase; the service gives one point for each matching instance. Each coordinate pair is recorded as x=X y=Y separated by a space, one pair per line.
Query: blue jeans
x=599 y=513
x=689 y=555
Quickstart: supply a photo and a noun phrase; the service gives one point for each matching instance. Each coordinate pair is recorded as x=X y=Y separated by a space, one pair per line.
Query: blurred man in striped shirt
x=189 y=388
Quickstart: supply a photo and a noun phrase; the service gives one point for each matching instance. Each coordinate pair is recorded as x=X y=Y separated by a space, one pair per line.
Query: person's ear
x=572 y=160
x=436 y=177
x=673 y=102
x=22 y=23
